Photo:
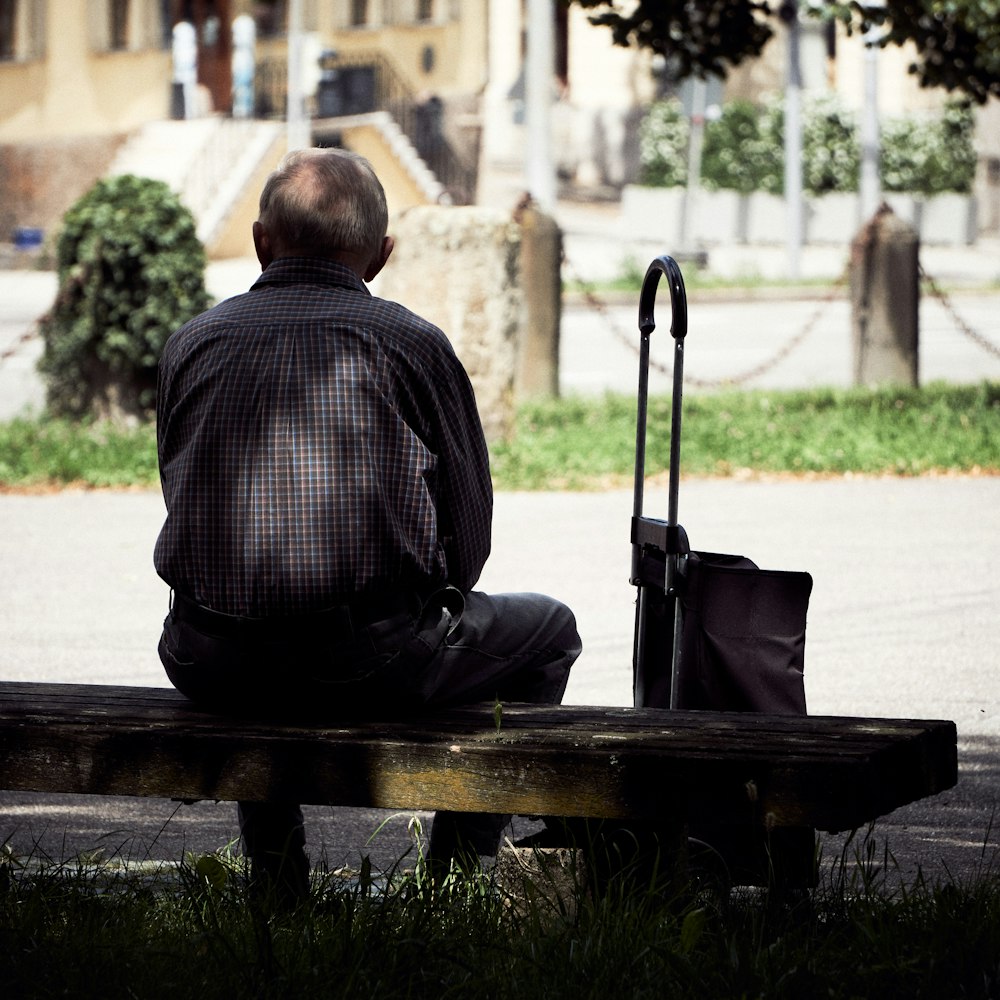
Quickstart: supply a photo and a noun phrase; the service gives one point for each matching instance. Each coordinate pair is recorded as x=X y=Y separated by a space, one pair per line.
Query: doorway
x=213 y=28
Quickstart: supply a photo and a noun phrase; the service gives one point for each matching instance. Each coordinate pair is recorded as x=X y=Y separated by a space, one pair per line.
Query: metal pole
x=538 y=79
x=696 y=139
x=297 y=125
x=793 y=144
x=870 y=183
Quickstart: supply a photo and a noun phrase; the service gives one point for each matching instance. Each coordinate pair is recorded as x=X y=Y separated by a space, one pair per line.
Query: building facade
x=78 y=77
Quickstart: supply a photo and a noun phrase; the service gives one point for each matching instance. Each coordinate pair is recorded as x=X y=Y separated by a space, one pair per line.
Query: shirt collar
x=310 y=271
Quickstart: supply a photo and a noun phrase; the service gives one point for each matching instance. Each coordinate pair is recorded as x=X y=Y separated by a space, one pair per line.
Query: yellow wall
x=459 y=65
x=459 y=45
x=74 y=91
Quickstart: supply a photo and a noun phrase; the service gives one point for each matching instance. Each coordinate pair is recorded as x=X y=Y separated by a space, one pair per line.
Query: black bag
x=742 y=645
x=744 y=635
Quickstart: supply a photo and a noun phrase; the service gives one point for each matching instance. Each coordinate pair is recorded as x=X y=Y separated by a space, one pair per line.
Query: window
x=22 y=30
x=8 y=23
x=359 y=13
x=118 y=25
x=425 y=10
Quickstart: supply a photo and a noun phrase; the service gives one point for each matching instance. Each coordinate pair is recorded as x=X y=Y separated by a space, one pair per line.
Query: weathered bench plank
x=829 y=773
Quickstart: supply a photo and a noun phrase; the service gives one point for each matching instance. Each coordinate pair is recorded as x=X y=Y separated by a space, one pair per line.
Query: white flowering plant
x=663 y=143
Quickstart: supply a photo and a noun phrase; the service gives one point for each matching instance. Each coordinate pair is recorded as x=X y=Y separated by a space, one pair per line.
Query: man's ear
x=378 y=262
x=262 y=244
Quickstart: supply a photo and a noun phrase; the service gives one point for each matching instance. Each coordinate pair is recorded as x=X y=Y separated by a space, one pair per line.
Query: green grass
x=83 y=933
x=586 y=444
x=49 y=452
x=589 y=443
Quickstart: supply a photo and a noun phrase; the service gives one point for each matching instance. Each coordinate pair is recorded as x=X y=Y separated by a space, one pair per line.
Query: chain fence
x=24 y=338
x=837 y=291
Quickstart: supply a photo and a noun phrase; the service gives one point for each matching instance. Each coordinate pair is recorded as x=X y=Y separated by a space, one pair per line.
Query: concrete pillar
x=537 y=372
x=885 y=301
x=460 y=268
x=491 y=282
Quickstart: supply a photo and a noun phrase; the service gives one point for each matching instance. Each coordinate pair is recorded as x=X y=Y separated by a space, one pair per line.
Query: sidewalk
x=597 y=250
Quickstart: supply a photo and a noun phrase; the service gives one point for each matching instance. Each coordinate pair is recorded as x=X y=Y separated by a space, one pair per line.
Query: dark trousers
x=454 y=649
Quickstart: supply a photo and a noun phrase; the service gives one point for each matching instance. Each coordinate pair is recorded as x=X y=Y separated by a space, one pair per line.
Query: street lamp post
x=539 y=73
x=793 y=141
x=870 y=184
x=296 y=124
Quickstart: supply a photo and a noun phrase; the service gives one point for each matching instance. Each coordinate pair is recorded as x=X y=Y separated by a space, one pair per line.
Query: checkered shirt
x=315 y=443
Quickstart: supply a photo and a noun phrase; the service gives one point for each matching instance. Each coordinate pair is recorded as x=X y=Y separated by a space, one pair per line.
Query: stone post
x=885 y=301
x=491 y=281
x=459 y=267
x=537 y=372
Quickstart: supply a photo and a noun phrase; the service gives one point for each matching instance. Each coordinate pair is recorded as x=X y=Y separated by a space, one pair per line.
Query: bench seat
x=830 y=773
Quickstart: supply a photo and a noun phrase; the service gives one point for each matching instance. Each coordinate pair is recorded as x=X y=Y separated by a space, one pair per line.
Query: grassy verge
x=52 y=453
x=583 y=444
x=589 y=443
x=84 y=934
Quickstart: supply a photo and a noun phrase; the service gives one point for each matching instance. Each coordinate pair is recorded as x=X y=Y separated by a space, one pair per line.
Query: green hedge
x=744 y=149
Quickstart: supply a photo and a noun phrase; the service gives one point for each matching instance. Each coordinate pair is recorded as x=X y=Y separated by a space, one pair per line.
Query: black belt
x=341 y=620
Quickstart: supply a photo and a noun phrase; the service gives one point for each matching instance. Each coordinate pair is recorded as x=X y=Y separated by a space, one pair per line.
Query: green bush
x=131 y=270
x=930 y=156
x=831 y=151
x=663 y=142
x=740 y=153
x=744 y=149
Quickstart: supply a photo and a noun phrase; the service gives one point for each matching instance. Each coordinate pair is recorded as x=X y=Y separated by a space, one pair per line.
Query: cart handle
x=678 y=300
x=678 y=328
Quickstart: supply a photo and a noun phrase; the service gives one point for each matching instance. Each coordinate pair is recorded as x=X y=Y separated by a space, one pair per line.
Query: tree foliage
x=957 y=41
x=131 y=270
x=697 y=39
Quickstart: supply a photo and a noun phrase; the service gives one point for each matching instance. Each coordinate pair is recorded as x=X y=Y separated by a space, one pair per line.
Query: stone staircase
x=216 y=165
x=208 y=162
x=378 y=136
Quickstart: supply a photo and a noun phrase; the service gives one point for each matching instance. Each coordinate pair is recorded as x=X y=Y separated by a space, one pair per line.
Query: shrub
x=930 y=156
x=663 y=142
x=831 y=152
x=131 y=270
x=739 y=153
x=744 y=149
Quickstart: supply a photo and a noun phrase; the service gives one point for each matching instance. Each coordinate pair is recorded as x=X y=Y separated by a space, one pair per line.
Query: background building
x=433 y=91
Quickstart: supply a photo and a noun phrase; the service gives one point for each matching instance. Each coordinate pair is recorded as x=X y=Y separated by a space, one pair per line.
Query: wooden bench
x=771 y=772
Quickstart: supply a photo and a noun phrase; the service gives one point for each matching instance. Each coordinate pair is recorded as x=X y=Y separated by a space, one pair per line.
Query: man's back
x=316 y=443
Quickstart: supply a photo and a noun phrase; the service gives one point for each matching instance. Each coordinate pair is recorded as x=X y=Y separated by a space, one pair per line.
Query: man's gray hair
x=322 y=201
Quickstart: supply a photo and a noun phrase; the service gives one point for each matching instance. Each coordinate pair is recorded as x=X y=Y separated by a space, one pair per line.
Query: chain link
x=835 y=292
x=30 y=334
x=949 y=308
x=599 y=306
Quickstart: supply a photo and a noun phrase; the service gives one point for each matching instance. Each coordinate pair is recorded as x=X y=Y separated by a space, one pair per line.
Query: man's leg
x=274 y=841
x=211 y=671
x=510 y=647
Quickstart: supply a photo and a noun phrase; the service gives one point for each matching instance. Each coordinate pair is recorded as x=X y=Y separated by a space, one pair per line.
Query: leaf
x=212 y=870
x=692 y=929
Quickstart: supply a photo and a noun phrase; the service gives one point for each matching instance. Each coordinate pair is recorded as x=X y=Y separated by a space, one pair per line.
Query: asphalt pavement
x=902 y=621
